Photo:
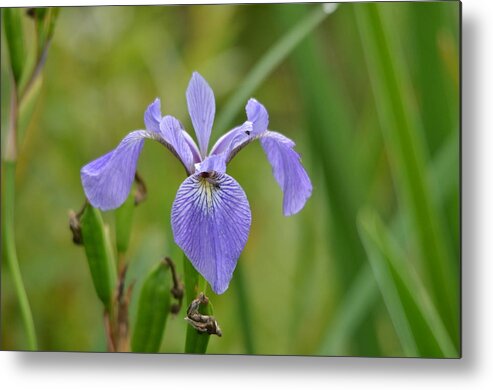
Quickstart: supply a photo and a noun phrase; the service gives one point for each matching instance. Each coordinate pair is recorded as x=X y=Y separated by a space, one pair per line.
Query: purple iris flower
x=211 y=216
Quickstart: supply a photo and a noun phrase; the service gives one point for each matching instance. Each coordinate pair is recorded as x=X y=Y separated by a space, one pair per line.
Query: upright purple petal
x=257 y=114
x=193 y=147
x=202 y=108
x=211 y=220
x=152 y=116
x=232 y=138
x=213 y=163
x=172 y=132
x=288 y=171
x=108 y=179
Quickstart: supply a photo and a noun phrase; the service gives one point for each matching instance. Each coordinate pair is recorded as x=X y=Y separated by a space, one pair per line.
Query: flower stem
x=195 y=342
x=10 y=251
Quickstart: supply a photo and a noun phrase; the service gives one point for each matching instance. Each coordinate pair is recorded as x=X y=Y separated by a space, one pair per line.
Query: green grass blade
x=414 y=313
x=330 y=125
x=360 y=298
x=387 y=287
x=12 y=21
x=153 y=310
x=10 y=252
x=274 y=56
x=99 y=254
x=407 y=154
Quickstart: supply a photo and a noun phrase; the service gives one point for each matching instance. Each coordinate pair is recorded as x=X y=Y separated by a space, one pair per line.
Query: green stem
x=270 y=61
x=195 y=342
x=10 y=251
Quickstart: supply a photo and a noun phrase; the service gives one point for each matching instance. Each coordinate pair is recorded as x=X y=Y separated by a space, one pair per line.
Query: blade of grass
x=330 y=126
x=362 y=295
x=387 y=288
x=437 y=96
x=12 y=21
x=407 y=154
x=407 y=299
x=10 y=252
x=357 y=302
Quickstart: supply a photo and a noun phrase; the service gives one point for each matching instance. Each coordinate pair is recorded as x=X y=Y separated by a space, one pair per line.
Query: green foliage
x=415 y=317
x=123 y=224
x=14 y=35
x=153 y=310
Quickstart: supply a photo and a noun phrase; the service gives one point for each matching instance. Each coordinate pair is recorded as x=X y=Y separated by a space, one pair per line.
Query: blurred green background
x=370 y=267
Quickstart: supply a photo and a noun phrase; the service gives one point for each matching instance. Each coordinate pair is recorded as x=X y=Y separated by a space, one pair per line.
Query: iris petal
x=288 y=171
x=108 y=179
x=257 y=114
x=174 y=135
x=211 y=220
x=152 y=116
x=202 y=108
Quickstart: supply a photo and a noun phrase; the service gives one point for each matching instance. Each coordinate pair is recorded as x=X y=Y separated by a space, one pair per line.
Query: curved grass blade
x=407 y=153
x=153 y=310
x=358 y=301
x=330 y=128
x=12 y=20
x=415 y=317
x=387 y=286
x=10 y=252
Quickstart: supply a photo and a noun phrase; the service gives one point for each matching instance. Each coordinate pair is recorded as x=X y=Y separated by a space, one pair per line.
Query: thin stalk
x=10 y=251
x=274 y=56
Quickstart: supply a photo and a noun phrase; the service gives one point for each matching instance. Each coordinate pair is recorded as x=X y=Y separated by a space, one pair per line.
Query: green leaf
x=123 y=224
x=99 y=254
x=153 y=310
x=195 y=342
x=14 y=34
x=416 y=320
x=387 y=287
x=407 y=152
x=358 y=301
x=330 y=125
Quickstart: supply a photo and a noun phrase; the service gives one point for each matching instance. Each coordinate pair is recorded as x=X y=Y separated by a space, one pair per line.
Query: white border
x=474 y=371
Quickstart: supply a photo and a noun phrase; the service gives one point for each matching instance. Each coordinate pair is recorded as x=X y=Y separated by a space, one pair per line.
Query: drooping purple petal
x=211 y=220
x=152 y=116
x=257 y=114
x=288 y=170
x=172 y=132
x=202 y=108
x=108 y=179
